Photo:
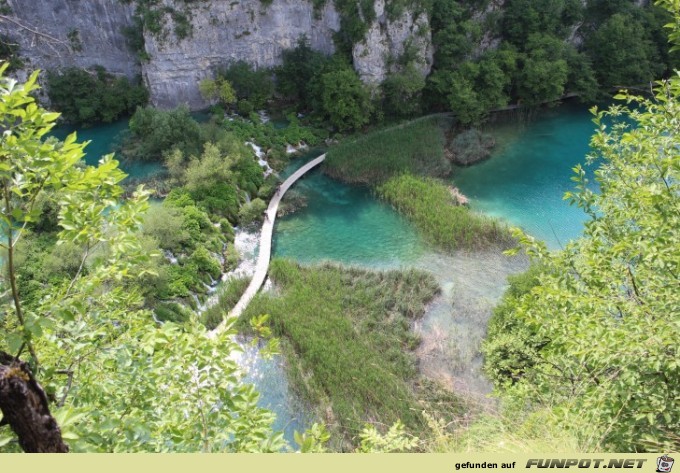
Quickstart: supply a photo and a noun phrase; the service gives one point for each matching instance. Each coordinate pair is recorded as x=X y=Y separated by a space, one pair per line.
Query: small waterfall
x=260 y=158
x=170 y=257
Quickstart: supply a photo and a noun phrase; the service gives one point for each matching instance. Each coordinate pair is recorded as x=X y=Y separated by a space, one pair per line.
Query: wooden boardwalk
x=262 y=265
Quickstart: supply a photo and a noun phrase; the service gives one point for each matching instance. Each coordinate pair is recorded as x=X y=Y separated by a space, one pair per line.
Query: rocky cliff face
x=221 y=31
x=386 y=42
x=224 y=31
x=93 y=26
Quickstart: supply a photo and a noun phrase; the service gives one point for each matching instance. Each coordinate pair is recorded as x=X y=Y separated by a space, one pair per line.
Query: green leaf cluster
x=89 y=97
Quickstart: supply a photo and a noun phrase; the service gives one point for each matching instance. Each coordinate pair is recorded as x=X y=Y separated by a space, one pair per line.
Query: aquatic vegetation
x=350 y=331
x=229 y=294
x=430 y=205
x=416 y=147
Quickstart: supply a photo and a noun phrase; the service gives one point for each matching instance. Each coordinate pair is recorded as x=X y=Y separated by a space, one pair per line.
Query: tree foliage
x=345 y=100
x=154 y=132
x=597 y=333
x=90 y=97
x=98 y=354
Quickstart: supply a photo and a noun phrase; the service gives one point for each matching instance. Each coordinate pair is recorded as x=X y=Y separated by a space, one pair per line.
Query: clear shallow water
x=104 y=139
x=522 y=183
x=268 y=375
x=529 y=172
x=345 y=224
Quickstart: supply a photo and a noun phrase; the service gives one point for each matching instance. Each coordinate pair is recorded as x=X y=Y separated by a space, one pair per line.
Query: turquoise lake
x=523 y=183
x=104 y=139
x=529 y=172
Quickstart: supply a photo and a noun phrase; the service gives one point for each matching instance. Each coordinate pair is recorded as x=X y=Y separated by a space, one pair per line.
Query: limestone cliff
x=90 y=32
x=224 y=31
x=81 y=33
x=387 y=40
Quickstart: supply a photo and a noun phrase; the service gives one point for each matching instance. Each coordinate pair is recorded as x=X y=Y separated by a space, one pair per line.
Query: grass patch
x=416 y=147
x=429 y=204
x=230 y=293
x=350 y=330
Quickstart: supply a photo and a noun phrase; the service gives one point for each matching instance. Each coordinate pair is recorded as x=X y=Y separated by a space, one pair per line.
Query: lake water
x=530 y=171
x=104 y=139
x=523 y=183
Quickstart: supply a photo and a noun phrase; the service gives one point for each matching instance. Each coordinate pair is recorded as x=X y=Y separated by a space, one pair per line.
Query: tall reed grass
x=350 y=329
x=416 y=147
x=429 y=204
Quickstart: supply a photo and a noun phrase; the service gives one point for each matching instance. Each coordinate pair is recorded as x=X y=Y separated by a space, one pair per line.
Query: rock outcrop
x=85 y=33
x=224 y=31
x=387 y=40
x=80 y=33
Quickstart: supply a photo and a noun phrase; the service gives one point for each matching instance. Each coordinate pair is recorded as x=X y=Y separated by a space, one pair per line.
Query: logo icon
x=664 y=464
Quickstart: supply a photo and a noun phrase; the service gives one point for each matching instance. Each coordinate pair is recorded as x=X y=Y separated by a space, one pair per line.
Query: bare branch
x=32 y=30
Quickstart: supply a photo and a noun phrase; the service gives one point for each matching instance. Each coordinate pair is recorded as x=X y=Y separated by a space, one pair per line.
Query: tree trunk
x=24 y=407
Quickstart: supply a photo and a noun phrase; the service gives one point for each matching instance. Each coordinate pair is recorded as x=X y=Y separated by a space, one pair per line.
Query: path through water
x=522 y=183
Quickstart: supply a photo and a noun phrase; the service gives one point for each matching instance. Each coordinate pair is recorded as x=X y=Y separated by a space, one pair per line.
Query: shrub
x=205 y=262
x=154 y=132
x=166 y=224
x=255 y=86
x=87 y=98
x=252 y=211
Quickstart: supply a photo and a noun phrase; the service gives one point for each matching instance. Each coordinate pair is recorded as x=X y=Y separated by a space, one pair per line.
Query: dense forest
x=102 y=343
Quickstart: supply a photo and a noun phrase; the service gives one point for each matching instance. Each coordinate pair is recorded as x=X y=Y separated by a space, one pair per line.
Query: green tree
x=345 y=100
x=254 y=85
x=623 y=53
x=300 y=67
x=544 y=72
x=402 y=92
x=219 y=89
x=93 y=348
x=155 y=132
x=89 y=97
x=602 y=319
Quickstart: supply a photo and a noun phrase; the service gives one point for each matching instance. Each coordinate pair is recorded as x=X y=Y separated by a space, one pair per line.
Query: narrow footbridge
x=262 y=265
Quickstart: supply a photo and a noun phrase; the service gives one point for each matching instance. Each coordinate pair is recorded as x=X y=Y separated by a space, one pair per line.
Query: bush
x=252 y=211
x=231 y=257
x=227 y=230
x=154 y=132
x=249 y=175
x=205 y=262
x=471 y=146
x=172 y=312
x=345 y=100
x=165 y=223
x=220 y=200
x=255 y=86
x=88 y=98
